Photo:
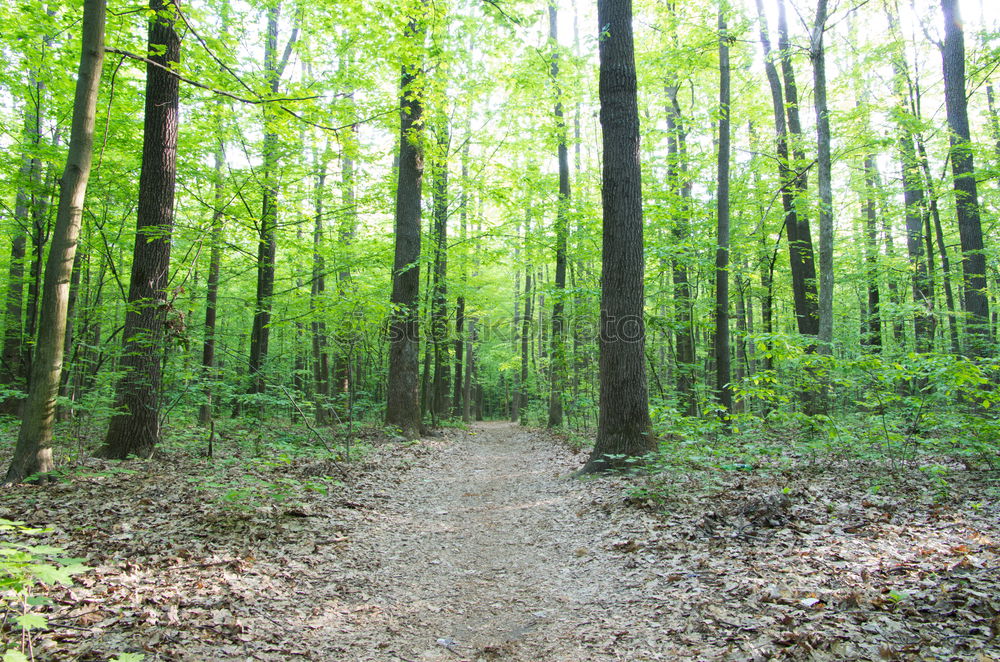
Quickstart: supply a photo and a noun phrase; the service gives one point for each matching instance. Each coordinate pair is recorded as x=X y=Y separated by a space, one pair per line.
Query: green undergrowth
x=917 y=421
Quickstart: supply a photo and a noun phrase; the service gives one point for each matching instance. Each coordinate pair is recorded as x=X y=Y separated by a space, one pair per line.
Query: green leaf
x=14 y=655
x=32 y=621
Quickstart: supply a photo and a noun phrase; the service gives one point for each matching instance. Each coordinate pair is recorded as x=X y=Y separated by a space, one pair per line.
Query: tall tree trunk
x=40 y=196
x=439 y=297
x=872 y=324
x=624 y=429
x=799 y=234
x=525 y=330
x=135 y=427
x=976 y=304
x=345 y=335
x=817 y=54
x=558 y=369
x=516 y=397
x=12 y=366
x=916 y=211
x=320 y=355
x=212 y=288
x=680 y=187
x=459 y=390
x=403 y=396
x=33 y=453
x=723 y=377
x=267 y=239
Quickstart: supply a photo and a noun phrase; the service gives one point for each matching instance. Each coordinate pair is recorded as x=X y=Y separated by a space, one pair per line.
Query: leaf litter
x=476 y=546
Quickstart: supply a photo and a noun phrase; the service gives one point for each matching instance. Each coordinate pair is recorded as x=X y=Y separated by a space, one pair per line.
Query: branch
x=213 y=90
x=208 y=50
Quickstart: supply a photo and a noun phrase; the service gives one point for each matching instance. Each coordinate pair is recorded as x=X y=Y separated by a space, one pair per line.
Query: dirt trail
x=477 y=546
x=486 y=544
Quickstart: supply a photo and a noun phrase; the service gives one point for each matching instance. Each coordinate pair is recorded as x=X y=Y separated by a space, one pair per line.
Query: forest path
x=487 y=543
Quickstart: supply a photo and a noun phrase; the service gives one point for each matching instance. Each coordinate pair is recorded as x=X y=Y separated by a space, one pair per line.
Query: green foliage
x=23 y=569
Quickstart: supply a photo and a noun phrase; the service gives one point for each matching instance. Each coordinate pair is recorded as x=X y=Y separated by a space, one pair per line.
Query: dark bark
x=723 y=387
x=558 y=370
x=212 y=289
x=872 y=323
x=440 y=404
x=526 y=320
x=976 y=304
x=515 y=403
x=320 y=355
x=268 y=228
x=403 y=398
x=33 y=453
x=915 y=215
x=13 y=373
x=800 y=247
x=65 y=413
x=135 y=427
x=817 y=54
x=624 y=430
x=342 y=378
x=679 y=185
x=459 y=389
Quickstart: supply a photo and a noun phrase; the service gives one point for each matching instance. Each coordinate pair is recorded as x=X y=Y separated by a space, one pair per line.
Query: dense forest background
x=859 y=272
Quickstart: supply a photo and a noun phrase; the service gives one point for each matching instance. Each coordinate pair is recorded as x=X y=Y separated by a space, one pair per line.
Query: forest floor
x=476 y=545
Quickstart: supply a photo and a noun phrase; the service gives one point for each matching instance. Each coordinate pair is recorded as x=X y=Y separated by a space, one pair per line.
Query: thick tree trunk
x=976 y=304
x=403 y=397
x=33 y=453
x=624 y=430
x=135 y=427
x=723 y=387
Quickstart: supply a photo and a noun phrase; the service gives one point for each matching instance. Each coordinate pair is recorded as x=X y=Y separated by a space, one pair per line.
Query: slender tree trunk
x=723 y=376
x=212 y=289
x=916 y=211
x=135 y=428
x=346 y=336
x=267 y=234
x=525 y=333
x=994 y=118
x=976 y=304
x=817 y=53
x=558 y=370
x=439 y=298
x=317 y=292
x=33 y=453
x=459 y=390
x=403 y=401
x=680 y=188
x=624 y=429
x=40 y=196
x=872 y=324
x=65 y=413
x=516 y=398
x=12 y=366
